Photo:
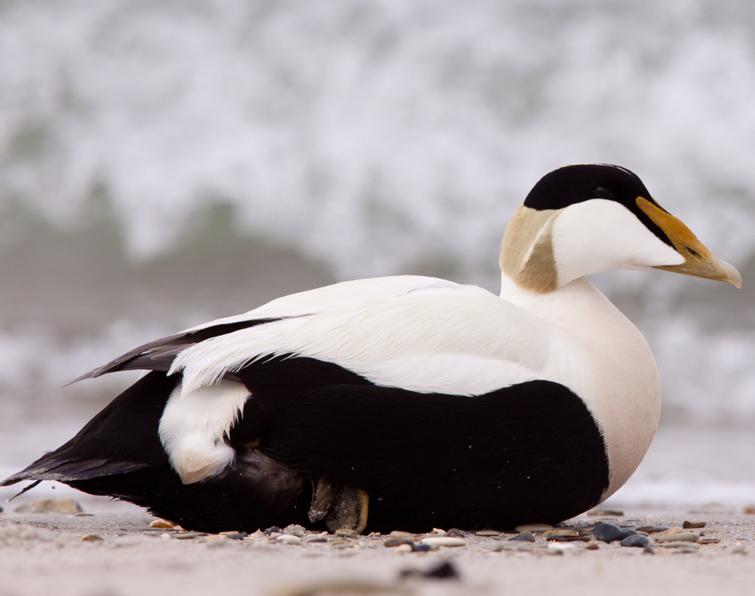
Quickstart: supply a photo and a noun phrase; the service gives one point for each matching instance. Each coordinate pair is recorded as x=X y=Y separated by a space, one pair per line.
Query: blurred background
x=165 y=162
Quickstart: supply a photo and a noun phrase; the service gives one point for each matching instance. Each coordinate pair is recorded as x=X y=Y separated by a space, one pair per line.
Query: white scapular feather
x=193 y=426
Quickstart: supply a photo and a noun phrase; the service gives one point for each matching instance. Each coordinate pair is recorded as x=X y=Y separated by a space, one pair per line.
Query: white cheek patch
x=598 y=235
x=193 y=426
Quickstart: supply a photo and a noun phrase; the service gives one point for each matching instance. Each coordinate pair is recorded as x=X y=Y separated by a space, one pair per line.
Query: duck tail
x=122 y=438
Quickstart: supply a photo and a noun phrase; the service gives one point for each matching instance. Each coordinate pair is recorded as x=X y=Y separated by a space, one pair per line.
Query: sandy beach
x=115 y=552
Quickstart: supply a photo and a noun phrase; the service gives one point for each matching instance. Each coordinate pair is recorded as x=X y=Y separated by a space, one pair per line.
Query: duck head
x=585 y=219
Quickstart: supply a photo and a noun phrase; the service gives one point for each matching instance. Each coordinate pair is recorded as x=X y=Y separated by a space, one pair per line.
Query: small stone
x=560 y=546
x=233 y=535
x=669 y=536
x=455 y=533
x=273 y=530
x=524 y=537
x=421 y=548
x=750 y=510
x=316 y=538
x=165 y=536
x=592 y=545
x=533 y=528
x=162 y=523
x=288 y=539
x=708 y=540
x=652 y=529
x=676 y=545
x=609 y=532
x=487 y=533
x=690 y=525
x=91 y=538
x=64 y=506
x=565 y=532
x=83 y=514
x=404 y=548
x=605 y=513
x=637 y=540
x=439 y=531
x=397 y=541
x=401 y=534
x=686 y=549
x=345 y=532
x=443 y=570
x=184 y=535
x=295 y=530
x=439 y=541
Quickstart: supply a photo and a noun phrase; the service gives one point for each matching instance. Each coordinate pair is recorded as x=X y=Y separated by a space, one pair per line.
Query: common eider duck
x=406 y=402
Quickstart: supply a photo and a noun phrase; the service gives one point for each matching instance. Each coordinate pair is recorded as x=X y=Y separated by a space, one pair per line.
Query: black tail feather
x=118 y=454
x=121 y=438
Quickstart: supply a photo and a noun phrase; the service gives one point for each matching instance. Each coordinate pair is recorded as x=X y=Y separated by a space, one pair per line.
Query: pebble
x=273 y=530
x=533 y=528
x=524 y=537
x=455 y=533
x=685 y=549
x=565 y=532
x=708 y=540
x=560 y=546
x=487 y=533
x=443 y=570
x=652 y=529
x=345 y=532
x=669 y=536
x=294 y=530
x=397 y=541
x=65 y=506
x=689 y=525
x=438 y=531
x=183 y=535
x=91 y=538
x=677 y=545
x=316 y=538
x=750 y=510
x=233 y=535
x=637 y=540
x=439 y=541
x=401 y=534
x=605 y=513
x=592 y=545
x=609 y=532
x=421 y=548
x=162 y=523
x=288 y=539
x=404 y=548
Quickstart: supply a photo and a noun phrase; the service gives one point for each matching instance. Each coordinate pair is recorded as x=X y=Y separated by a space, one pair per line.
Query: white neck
x=619 y=379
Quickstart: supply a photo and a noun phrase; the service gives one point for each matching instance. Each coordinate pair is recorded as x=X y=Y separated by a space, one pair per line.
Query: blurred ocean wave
x=162 y=163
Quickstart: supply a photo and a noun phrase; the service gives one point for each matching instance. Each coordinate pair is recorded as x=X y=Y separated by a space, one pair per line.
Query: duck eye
x=601 y=192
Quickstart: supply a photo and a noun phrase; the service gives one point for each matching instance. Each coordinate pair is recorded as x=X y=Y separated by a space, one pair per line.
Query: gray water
x=162 y=163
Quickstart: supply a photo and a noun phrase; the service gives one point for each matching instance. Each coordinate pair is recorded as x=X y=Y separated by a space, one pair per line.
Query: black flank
x=527 y=453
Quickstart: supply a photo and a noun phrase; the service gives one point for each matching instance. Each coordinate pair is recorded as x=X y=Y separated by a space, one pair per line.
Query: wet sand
x=121 y=555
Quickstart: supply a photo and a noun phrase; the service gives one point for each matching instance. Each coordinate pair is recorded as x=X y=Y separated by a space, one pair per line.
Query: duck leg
x=340 y=507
